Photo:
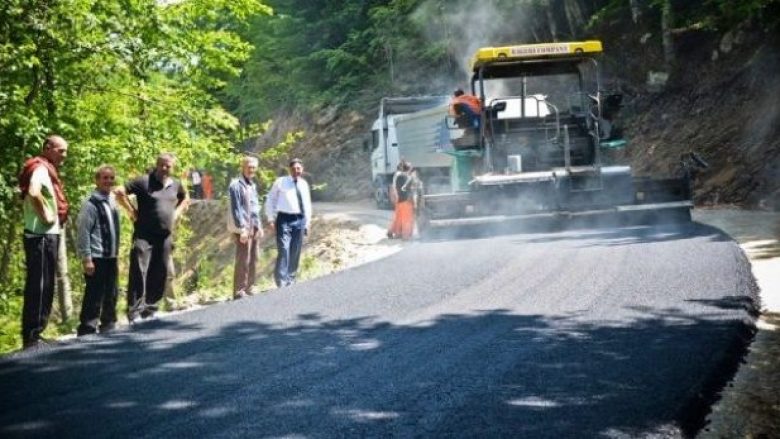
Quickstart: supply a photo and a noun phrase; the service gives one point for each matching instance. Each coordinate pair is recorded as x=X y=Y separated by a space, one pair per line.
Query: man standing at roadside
x=288 y=210
x=98 y=241
x=244 y=224
x=161 y=200
x=45 y=212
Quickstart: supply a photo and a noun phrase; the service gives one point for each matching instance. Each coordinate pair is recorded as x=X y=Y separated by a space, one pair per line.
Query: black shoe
x=108 y=327
x=85 y=330
x=34 y=344
x=31 y=344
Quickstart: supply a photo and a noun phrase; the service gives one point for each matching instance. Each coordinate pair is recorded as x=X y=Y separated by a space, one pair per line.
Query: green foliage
x=706 y=14
x=121 y=81
x=311 y=54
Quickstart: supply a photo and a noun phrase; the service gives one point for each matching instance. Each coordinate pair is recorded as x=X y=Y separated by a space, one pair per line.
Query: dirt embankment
x=342 y=236
x=722 y=103
x=333 y=147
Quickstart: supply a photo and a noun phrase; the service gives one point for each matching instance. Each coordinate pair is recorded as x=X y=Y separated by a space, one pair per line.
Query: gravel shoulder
x=750 y=404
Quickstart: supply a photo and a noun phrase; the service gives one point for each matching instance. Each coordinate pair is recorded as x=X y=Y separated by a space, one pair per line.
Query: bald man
x=160 y=200
x=45 y=212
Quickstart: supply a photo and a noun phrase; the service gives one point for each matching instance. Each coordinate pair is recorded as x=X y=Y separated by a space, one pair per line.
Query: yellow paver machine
x=545 y=144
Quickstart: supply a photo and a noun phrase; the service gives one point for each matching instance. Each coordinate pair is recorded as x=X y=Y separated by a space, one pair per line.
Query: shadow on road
x=484 y=374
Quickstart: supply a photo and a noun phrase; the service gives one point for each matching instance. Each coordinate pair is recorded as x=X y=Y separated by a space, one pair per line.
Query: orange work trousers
x=403 y=220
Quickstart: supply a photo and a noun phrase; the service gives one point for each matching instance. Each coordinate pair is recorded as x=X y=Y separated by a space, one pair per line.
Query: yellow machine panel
x=487 y=55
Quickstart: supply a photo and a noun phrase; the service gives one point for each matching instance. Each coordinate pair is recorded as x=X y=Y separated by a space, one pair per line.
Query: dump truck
x=411 y=128
x=543 y=145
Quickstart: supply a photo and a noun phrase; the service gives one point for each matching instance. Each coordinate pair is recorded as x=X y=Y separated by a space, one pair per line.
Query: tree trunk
x=667 y=23
x=551 y=24
x=5 y=260
x=636 y=12
x=574 y=16
x=389 y=54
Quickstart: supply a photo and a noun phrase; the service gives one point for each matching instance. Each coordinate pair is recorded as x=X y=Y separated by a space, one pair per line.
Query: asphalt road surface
x=617 y=333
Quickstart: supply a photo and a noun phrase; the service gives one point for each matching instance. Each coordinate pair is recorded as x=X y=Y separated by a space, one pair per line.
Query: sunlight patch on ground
x=367 y=415
x=121 y=404
x=181 y=365
x=533 y=402
x=28 y=426
x=365 y=345
x=177 y=404
x=298 y=403
x=217 y=412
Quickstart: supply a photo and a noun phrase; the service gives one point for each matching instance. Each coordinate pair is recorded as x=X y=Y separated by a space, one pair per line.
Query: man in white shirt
x=288 y=211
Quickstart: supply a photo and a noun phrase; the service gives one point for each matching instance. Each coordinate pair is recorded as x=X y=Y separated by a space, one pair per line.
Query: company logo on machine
x=539 y=49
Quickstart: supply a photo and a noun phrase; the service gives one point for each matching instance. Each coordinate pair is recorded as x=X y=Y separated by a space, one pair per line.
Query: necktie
x=298 y=194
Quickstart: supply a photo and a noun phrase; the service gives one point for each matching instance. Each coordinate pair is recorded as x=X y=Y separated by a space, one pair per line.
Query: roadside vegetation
x=204 y=79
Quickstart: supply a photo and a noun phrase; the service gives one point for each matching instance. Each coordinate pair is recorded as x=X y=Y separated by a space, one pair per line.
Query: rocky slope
x=721 y=103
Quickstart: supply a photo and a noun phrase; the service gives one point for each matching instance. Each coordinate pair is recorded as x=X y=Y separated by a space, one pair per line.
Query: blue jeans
x=289 y=240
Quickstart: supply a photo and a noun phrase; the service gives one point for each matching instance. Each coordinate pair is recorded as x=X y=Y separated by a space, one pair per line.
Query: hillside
x=723 y=105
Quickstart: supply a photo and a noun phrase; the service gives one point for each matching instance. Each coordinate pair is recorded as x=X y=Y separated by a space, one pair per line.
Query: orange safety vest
x=472 y=101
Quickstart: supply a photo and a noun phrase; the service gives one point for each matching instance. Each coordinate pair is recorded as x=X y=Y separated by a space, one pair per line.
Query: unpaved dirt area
x=349 y=234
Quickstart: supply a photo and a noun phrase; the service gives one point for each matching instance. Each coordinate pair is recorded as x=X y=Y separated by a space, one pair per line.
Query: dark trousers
x=466 y=118
x=99 y=297
x=40 y=252
x=246 y=260
x=148 y=272
x=289 y=240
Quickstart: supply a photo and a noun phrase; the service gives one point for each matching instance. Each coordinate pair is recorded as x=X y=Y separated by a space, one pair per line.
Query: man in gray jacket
x=98 y=241
x=244 y=223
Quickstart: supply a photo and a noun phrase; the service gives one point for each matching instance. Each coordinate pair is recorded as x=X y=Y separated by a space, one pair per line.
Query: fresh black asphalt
x=613 y=333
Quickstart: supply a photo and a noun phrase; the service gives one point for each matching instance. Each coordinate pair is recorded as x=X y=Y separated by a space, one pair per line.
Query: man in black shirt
x=160 y=200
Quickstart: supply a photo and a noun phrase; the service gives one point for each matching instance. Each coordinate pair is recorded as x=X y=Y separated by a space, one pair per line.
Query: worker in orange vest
x=466 y=109
x=208 y=186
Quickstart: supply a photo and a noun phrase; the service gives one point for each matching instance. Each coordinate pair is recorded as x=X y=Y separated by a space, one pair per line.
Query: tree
x=667 y=24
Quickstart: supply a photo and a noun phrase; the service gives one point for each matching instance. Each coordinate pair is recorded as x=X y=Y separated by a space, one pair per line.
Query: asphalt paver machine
x=545 y=145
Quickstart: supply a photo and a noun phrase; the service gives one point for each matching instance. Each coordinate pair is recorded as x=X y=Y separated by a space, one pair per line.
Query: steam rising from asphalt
x=468 y=25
